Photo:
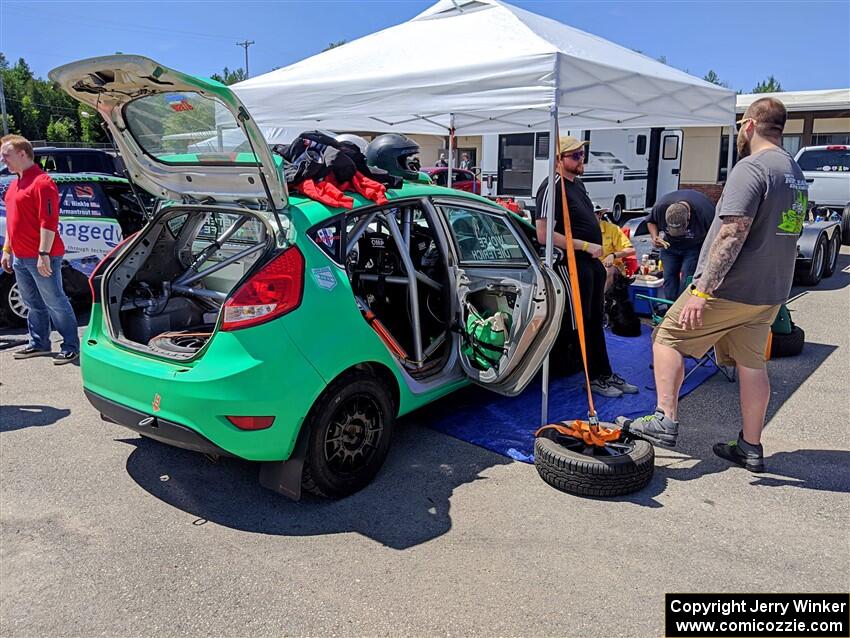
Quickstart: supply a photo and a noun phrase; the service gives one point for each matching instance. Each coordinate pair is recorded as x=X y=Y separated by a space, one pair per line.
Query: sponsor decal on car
x=326 y=236
x=178 y=102
x=324 y=278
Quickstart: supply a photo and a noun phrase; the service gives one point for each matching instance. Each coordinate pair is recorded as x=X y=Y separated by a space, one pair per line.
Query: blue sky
x=804 y=44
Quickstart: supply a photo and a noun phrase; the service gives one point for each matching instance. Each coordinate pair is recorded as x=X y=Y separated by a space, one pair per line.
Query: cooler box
x=649 y=288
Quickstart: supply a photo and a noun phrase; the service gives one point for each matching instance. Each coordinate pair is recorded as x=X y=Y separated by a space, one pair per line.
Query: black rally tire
x=319 y=476
x=833 y=248
x=576 y=473
x=10 y=299
x=845 y=225
x=789 y=345
x=813 y=275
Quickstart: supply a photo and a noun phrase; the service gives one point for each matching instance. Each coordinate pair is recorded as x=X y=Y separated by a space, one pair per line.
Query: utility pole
x=245 y=45
x=3 y=107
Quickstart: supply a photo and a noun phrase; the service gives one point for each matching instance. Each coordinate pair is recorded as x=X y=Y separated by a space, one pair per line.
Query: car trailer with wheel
x=817 y=251
x=817 y=248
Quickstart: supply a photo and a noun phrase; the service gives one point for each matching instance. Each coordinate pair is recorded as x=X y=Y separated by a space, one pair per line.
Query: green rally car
x=243 y=322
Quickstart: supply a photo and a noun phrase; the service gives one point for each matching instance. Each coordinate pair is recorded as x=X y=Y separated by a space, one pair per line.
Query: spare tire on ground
x=569 y=465
x=787 y=345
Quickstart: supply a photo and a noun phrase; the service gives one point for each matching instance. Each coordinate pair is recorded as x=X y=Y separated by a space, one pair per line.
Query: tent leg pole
x=550 y=231
x=730 y=150
x=451 y=144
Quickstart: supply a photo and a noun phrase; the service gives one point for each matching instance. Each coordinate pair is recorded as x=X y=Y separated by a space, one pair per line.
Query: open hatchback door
x=182 y=138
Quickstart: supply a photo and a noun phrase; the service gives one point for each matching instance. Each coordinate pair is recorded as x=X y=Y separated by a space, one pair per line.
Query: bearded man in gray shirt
x=744 y=273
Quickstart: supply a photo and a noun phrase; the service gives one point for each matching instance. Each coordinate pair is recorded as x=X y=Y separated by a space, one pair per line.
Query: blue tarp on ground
x=506 y=424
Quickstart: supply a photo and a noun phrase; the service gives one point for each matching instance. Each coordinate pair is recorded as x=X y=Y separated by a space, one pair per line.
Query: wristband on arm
x=699 y=293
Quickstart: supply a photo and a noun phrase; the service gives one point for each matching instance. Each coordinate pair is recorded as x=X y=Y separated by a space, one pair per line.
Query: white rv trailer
x=626 y=169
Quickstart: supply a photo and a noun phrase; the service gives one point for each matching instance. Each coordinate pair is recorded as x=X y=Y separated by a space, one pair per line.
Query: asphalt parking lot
x=106 y=534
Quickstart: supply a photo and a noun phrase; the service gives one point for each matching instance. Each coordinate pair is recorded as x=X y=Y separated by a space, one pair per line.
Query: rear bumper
x=153 y=427
x=242 y=373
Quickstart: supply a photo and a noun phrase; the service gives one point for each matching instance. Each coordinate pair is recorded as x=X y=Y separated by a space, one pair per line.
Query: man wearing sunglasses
x=587 y=241
x=744 y=273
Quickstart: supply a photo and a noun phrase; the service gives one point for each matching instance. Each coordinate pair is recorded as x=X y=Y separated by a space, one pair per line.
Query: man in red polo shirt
x=33 y=249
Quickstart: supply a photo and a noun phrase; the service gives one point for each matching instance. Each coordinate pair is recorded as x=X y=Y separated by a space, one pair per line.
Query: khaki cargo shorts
x=738 y=332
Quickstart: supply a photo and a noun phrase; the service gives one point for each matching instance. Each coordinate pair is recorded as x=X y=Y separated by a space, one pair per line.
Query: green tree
x=32 y=103
x=230 y=77
x=770 y=85
x=91 y=129
x=712 y=77
x=62 y=130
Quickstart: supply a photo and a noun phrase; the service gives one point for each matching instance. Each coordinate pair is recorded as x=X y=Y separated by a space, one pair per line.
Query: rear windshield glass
x=826 y=160
x=187 y=128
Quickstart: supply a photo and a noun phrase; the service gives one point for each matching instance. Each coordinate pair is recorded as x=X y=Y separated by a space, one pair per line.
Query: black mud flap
x=284 y=477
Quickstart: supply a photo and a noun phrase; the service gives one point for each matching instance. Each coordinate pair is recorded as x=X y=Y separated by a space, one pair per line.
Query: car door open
x=509 y=303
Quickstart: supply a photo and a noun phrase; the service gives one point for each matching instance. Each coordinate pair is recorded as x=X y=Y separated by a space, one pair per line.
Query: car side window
x=327 y=237
x=484 y=238
x=440 y=178
x=48 y=163
x=250 y=232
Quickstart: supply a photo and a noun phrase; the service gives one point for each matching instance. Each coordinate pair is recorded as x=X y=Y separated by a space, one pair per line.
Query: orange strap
x=573 y=270
x=590 y=434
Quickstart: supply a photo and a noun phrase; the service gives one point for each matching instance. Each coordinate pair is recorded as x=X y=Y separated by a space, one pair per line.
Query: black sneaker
x=656 y=428
x=65 y=357
x=30 y=351
x=748 y=456
x=621 y=384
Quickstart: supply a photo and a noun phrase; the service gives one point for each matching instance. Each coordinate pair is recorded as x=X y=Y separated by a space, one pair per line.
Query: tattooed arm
x=724 y=251
x=721 y=255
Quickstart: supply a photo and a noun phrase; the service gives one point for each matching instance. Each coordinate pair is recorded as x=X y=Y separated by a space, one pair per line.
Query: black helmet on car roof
x=395 y=154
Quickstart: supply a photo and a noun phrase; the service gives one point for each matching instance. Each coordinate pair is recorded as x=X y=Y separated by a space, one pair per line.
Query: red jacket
x=32 y=203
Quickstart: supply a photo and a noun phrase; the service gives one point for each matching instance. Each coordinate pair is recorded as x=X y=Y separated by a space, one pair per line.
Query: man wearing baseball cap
x=684 y=217
x=744 y=274
x=587 y=241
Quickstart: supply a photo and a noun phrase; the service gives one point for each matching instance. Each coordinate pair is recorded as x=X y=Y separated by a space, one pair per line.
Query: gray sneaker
x=601 y=387
x=656 y=428
x=621 y=384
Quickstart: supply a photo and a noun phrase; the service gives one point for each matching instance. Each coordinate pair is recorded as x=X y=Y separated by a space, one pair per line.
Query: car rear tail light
x=836 y=148
x=269 y=293
x=96 y=274
x=251 y=422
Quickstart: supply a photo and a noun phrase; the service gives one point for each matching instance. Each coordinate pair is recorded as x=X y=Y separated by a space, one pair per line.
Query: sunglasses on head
x=743 y=122
x=575 y=155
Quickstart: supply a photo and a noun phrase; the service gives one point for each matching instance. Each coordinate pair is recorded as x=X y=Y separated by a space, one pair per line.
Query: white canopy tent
x=476 y=67
x=494 y=67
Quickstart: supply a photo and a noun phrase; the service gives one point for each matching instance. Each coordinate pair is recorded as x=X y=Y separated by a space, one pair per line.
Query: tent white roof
x=824 y=100
x=496 y=67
